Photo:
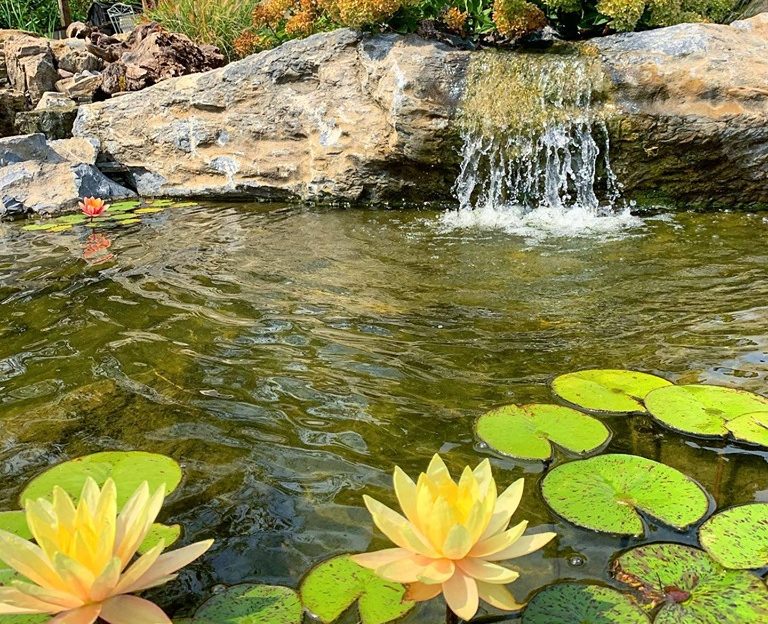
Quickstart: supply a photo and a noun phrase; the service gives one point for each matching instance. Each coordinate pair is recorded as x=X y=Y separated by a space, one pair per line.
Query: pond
x=288 y=357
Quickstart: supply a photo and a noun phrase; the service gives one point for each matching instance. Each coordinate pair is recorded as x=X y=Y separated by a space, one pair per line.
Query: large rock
x=692 y=124
x=73 y=56
x=41 y=177
x=30 y=65
x=337 y=115
x=346 y=116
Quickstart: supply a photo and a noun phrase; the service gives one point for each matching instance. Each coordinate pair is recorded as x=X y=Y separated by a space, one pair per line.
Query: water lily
x=451 y=536
x=92 y=206
x=80 y=568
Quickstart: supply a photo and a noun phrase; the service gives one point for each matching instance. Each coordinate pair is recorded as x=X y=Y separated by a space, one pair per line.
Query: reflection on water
x=288 y=357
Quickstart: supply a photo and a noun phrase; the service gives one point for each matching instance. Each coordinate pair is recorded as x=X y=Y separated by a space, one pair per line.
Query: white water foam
x=547 y=176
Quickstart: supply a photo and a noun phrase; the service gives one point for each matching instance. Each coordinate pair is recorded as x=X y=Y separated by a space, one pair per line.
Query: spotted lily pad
x=607 y=390
x=709 y=411
x=606 y=494
x=335 y=585
x=528 y=431
x=691 y=587
x=250 y=604
x=572 y=603
x=751 y=428
x=737 y=538
x=127 y=468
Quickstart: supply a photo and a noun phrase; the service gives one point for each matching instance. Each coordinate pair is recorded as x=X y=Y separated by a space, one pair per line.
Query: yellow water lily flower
x=450 y=537
x=79 y=568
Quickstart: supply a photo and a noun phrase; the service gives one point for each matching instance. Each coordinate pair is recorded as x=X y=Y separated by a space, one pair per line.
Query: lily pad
x=606 y=494
x=335 y=585
x=129 y=221
x=161 y=202
x=122 y=216
x=737 y=538
x=751 y=428
x=691 y=587
x=705 y=410
x=65 y=227
x=251 y=604
x=168 y=532
x=37 y=227
x=148 y=210
x=571 y=603
x=24 y=619
x=607 y=390
x=127 y=468
x=528 y=431
x=124 y=205
x=15 y=522
x=72 y=219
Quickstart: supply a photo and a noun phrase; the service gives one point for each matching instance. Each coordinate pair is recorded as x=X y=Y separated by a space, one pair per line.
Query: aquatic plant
x=607 y=390
x=737 y=538
x=93 y=207
x=568 y=603
x=529 y=431
x=605 y=493
x=451 y=536
x=80 y=566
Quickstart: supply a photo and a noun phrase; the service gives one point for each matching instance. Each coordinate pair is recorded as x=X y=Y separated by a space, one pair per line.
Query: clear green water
x=288 y=357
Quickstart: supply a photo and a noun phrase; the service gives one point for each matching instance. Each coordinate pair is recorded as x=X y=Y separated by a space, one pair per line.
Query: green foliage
x=38 y=16
x=608 y=390
x=737 y=538
x=567 y=603
x=213 y=22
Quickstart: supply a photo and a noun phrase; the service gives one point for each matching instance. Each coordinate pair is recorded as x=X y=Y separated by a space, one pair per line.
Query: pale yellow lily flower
x=450 y=537
x=79 y=569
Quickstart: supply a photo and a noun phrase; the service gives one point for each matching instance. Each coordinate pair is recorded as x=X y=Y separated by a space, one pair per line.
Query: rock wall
x=692 y=122
x=334 y=116
x=345 y=116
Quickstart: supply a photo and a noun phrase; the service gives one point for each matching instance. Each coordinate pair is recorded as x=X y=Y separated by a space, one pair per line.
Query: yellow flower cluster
x=271 y=12
x=301 y=24
x=249 y=43
x=360 y=13
x=515 y=18
x=456 y=19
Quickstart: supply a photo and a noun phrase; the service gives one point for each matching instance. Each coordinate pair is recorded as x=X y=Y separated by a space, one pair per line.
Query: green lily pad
x=60 y=228
x=24 y=619
x=335 y=585
x=737 y=538
x=751 y=428
x=127 y=468
x=73 y=219
x=691 y=587
x=123 y=206
x=704 y=410
x=607 y=390
x=129 y=221
x=250 y=604
x=38 y=227
x=161 y=202
x=168 y=532
x=122 y=216
x=148 y=210
x=572 y=603
x=528 y=431
x=605 y=494
x=15 y=522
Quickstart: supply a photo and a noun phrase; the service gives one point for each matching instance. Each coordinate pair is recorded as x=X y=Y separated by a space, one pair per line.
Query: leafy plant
x=737 y=538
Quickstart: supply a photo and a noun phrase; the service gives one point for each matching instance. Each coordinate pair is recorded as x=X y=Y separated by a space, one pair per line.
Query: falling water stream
x=536 y=154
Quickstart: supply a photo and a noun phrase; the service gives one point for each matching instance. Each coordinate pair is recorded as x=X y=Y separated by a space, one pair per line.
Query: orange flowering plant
x=93 y=206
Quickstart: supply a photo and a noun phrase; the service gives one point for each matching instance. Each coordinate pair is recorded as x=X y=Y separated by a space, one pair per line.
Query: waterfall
x=536 y=147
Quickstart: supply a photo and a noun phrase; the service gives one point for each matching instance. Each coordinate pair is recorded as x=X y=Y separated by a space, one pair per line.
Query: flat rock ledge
x=345 y=116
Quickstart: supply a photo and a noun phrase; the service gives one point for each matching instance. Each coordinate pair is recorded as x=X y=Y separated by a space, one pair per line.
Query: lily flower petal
x=132 y=610
x=461 y=595
x=524 y=546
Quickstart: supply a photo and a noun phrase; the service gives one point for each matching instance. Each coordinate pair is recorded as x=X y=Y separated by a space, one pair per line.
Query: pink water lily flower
x=92 y=206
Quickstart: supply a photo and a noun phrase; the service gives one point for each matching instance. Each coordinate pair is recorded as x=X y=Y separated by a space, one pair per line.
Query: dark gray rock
x=11 y=103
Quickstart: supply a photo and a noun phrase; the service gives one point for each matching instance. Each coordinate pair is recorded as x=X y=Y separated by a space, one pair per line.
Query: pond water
x=288 y=357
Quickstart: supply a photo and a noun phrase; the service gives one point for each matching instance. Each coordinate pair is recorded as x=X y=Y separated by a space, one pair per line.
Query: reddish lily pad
x=690 y=587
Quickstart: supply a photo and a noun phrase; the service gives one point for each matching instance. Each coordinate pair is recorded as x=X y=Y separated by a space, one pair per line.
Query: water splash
x=536 y=154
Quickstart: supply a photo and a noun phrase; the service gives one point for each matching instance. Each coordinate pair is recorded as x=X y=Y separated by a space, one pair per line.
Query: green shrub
x=214 y=22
